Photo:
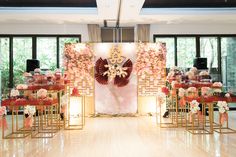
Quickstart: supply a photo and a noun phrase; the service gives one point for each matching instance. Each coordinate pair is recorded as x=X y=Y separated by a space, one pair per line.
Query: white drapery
x=94 y=32
x=143 y=32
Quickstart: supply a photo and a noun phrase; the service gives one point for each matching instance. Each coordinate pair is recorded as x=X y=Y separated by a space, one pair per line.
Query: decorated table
x=31 y=125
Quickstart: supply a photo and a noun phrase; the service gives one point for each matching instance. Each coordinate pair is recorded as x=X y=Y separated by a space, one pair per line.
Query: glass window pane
x=208 y=49
x=228 y=62
x=22 y=50
x=62 y=42
x=170 y=47
x=47 y=52
x=4 y=66
x=186 y=51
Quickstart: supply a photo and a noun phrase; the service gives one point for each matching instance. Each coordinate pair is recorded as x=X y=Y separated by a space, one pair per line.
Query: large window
x=186 y=51
x=208 y=49
x=170 y=47
x=228 y=59
x=4 y=66
x=22 y=50
x=47 y=52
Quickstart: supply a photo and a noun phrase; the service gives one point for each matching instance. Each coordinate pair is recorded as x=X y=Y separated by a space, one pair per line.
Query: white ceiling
x=131 y=14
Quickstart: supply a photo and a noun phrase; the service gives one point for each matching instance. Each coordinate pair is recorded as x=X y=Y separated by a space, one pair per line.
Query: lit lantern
x=75 y=110
x=75 y=102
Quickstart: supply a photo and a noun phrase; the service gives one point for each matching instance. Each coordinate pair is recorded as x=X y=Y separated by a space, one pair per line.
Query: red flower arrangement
x=165 y=90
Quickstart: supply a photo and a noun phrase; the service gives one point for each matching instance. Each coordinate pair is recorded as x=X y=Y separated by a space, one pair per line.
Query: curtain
x=94 y=32
x=143 y=32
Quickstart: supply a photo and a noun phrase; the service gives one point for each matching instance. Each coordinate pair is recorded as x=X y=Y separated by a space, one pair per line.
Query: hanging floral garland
x=79 y=62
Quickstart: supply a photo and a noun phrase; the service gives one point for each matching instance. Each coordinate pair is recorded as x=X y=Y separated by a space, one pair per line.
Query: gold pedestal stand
x=15 y=131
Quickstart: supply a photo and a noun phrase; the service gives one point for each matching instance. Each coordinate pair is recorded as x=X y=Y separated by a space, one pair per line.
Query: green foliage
x=4 y=65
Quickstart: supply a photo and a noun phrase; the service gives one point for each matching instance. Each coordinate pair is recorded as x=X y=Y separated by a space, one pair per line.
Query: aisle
x=122 y=137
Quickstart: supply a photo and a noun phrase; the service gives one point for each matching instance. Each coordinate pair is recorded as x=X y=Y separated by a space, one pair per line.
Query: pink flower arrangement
x=151 y=59
x=181 y=92
x=227 y=95
x=3 y=110
x=42 y=93
x=190 y=75
x=37 y=71
x=217 y=84
x=206 y=91
x=21 y=86
x=78 y=62
x=194 y=70
x=174 y=74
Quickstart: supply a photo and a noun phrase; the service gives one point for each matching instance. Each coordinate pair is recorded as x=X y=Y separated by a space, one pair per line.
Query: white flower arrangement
x=217 y=84
x=21 y=86
x=194 y=107
x=14 y=93
x=30 y=110
x=42 y=93
x=181 y=92
x=203 y=73
x=223 y=106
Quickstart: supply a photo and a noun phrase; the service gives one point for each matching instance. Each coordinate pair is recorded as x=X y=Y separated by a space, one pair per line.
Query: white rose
x=221 y=110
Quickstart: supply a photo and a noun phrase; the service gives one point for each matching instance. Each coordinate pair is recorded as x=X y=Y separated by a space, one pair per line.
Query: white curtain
x=94 y=32
x=143 y=32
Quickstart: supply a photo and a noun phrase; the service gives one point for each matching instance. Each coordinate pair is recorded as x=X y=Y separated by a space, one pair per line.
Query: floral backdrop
x=150 y=67
x=110 y=96
x=79 y=63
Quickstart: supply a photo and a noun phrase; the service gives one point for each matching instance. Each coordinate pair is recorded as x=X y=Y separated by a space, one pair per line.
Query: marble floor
x=122 y=137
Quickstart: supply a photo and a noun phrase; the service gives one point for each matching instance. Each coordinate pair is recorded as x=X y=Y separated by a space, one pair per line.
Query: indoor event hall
x=118 y=78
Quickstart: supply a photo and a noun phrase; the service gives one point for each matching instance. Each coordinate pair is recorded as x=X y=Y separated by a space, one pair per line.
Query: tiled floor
x=122 y=137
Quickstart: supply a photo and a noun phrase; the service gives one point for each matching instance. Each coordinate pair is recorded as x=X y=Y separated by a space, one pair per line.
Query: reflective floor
x=122 y=137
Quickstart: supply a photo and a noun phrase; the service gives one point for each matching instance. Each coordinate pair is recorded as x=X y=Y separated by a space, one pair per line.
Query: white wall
x=46 y=29
x=191 y=29
x=83 y=30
